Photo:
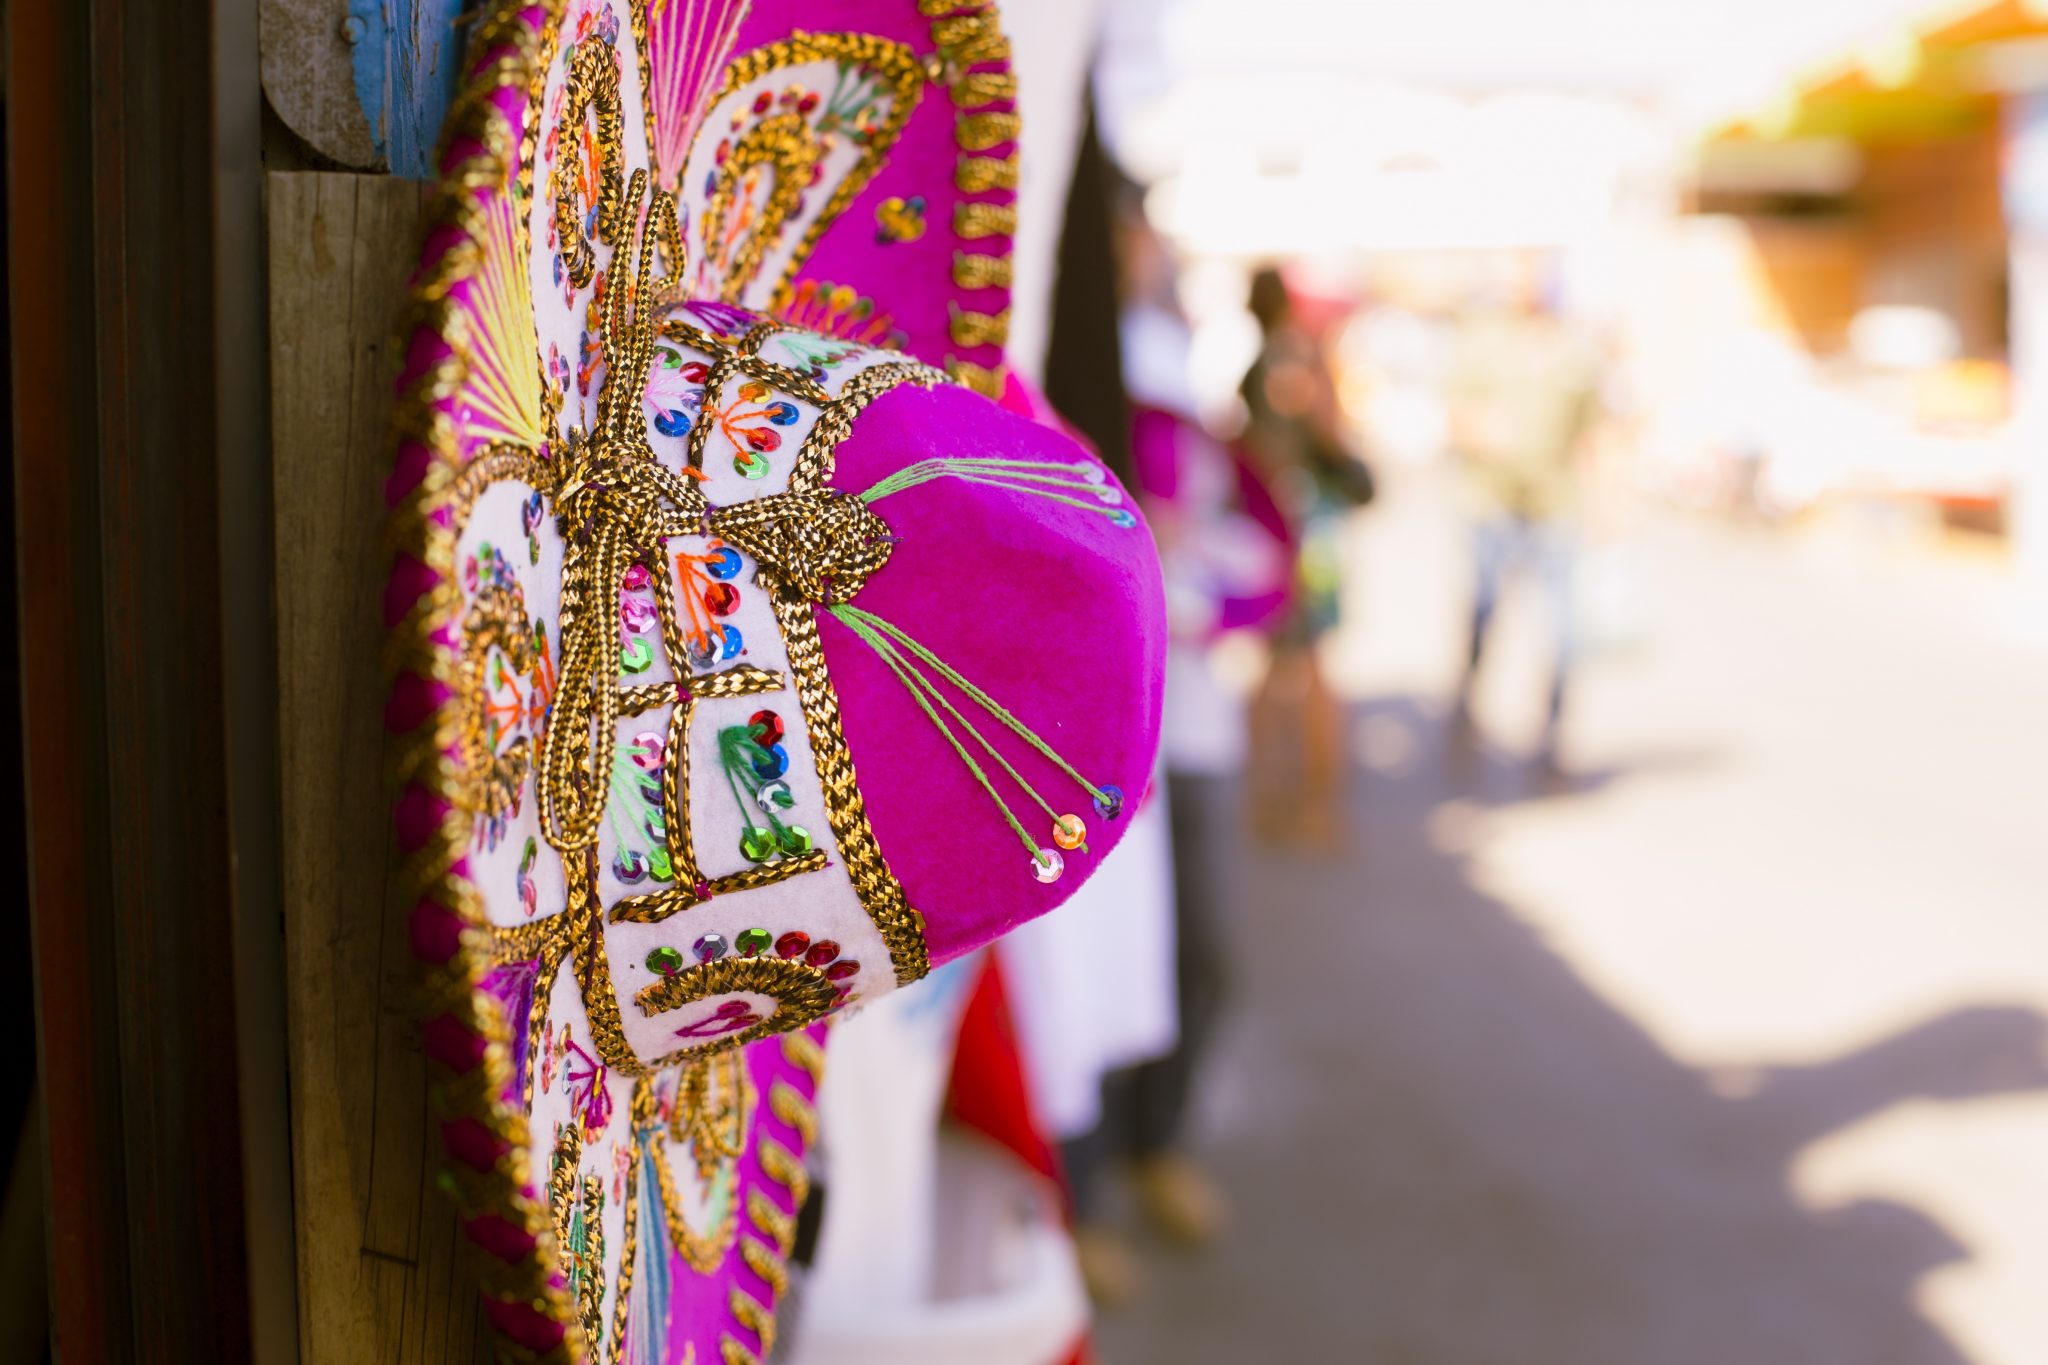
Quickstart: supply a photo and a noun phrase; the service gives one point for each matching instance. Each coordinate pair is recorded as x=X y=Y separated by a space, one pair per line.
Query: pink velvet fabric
x=1053 y=610
x=911 y=281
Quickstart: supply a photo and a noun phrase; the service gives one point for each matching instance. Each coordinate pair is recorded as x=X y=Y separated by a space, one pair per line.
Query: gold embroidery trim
x=702 y=1252
x=803 y=995
x=682 y=891
x=765 y=1246
x=968 y=35
x=593 y=82
x=898 y=67
x=509 y=51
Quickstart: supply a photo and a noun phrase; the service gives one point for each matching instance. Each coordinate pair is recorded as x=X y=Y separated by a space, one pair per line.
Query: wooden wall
x=383 y=1278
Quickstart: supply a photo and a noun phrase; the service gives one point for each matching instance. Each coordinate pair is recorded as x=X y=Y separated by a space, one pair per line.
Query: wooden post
x=381 y=1274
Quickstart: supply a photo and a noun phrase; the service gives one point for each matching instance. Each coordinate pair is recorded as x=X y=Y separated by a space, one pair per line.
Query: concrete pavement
x=1728 y=1048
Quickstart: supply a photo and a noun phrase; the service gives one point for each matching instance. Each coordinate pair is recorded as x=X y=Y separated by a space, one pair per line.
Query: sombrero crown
x=750 y=668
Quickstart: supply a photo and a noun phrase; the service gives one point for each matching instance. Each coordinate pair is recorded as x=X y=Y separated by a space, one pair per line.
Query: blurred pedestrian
x=1522 y=394
x=1294 y=433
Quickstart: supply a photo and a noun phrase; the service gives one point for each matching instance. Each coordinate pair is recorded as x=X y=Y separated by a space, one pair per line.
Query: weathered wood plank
x=365 y=85
x=381 y=1275
x=309 y=77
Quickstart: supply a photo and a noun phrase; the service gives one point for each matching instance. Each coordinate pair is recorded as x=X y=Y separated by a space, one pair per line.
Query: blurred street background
x=1705 y=1020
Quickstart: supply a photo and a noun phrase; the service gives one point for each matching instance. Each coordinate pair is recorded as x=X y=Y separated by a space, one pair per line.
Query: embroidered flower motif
x=587 y=1089
x=899 y=220
x=529 y=891
x=749 y=424
x=708 y=592
x=839 y=311
x=675 y=391
x=635 y=812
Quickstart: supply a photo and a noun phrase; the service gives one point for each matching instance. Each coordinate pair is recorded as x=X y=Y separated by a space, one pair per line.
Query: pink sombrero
x=751 y=661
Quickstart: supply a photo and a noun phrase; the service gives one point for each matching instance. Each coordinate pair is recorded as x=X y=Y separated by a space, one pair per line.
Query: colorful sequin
x=755 y=762
x=635 y=812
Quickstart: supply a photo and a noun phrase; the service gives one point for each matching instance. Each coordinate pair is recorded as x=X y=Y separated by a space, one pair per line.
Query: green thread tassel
x=903 y=656
x=1049 y=479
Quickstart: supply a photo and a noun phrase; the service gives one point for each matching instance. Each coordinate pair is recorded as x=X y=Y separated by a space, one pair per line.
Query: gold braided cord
x=902 y=929
x=803 y=993
x=503 y=943
x=785 y=143
x=702 y=1252
x=629 y=1254
x=730 y=1352
x=594 y=970
x=971 y=39
x=968 y=35
x=593 y=83
x=657 y=906
x=613 y=504
x=762 y=1260
x=814 y=460
x=822 y=544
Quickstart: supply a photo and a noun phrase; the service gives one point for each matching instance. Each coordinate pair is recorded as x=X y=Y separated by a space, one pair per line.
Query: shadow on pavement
x=1446 y=1149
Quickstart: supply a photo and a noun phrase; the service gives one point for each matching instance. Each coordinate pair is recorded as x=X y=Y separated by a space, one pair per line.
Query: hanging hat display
x=749 y=661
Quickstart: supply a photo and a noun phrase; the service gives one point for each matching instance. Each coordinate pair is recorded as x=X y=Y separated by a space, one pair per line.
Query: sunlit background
x=1725 y=1042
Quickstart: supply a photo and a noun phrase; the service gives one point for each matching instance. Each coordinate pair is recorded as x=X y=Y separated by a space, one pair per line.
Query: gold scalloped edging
x=980 y=329
x=976 y=221
x=502 y=55
x=979 y=174
x=787 y=1103
x=969 y=35
x=973 y=270
x=766 y=1243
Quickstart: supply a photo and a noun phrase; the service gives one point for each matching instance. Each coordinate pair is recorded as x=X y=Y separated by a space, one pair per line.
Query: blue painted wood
x=407 y=58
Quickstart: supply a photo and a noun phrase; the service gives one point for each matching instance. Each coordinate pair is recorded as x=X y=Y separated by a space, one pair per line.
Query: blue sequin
x=725 y=563
x=770 y=763
x=1110 y=804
